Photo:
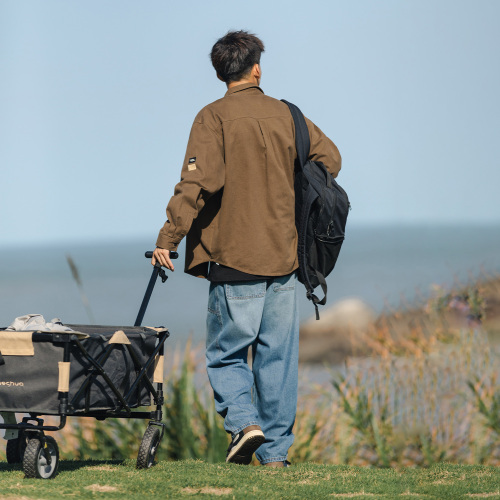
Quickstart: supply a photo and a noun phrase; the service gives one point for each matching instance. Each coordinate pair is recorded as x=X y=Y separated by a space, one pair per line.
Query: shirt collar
x=243 y=86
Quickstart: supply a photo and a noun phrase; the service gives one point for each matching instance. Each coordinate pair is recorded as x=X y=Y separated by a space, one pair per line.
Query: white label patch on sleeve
x=192 y=163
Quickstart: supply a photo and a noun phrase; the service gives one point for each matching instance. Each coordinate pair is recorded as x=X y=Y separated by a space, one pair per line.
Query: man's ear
x=220 y=77
x=256 y=71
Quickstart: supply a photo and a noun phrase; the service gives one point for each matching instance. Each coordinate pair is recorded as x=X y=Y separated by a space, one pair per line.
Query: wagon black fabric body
x=30 y=383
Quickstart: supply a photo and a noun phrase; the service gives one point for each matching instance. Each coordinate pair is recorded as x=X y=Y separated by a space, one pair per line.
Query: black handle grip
x=173 y=255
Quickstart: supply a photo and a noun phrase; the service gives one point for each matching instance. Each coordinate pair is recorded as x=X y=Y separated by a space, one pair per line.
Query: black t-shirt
x=223 y=274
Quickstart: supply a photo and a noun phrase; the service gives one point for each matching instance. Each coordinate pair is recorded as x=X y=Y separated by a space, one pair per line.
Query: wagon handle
x=157 y=270
x=149 y=255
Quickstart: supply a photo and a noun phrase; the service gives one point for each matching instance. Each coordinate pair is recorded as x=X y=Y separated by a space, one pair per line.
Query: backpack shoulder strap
x=302 y=142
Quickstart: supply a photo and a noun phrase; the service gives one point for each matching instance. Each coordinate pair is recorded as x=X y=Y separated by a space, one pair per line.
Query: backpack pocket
x=327 y=251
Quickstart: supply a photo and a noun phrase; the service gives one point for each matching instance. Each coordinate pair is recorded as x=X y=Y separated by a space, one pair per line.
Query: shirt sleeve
x=323 y=149
x=202 y=175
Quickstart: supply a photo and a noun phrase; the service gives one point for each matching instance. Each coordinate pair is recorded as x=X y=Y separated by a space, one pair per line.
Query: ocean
x=385 y=266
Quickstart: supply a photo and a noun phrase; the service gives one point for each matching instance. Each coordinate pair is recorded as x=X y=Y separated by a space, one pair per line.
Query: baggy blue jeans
x=262 y=315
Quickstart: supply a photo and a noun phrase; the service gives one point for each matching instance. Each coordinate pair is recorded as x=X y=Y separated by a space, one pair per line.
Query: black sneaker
x=286 y=463
x=244 y=444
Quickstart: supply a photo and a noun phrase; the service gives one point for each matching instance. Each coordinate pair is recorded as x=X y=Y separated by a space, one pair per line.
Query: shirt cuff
x=166 y=243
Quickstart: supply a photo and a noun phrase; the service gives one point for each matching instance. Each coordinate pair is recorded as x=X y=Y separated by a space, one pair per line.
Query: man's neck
x=253 y=81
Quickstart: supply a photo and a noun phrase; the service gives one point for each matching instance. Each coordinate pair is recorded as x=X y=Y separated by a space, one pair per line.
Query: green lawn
x=120 y=480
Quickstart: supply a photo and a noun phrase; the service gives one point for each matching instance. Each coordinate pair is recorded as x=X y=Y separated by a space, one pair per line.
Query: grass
x=184 y=479
x=428 y=394
x=412 y=405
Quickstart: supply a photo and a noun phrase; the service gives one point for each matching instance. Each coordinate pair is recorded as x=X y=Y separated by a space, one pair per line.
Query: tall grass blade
x=79 y=284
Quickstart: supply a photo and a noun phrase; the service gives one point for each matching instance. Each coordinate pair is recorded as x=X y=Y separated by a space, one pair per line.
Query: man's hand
x=163 y=257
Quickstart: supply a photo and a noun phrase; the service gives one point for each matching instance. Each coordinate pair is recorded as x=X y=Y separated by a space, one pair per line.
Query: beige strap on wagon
x=158 y=373
x=16 y=344
x=119 y=337
x=63 y=376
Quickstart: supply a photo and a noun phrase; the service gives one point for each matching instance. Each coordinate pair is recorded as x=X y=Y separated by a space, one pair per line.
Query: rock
x=338 y=334
x=349 y=313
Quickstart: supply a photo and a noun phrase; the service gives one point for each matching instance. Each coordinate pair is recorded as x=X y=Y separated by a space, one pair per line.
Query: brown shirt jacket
x=235 y=201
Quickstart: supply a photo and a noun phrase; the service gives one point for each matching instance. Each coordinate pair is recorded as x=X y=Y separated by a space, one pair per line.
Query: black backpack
x=321 y=209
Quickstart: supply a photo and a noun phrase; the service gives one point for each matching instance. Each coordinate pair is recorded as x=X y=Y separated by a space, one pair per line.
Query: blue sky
x=97 y=99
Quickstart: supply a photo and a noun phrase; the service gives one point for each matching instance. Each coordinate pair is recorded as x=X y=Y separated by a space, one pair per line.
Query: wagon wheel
x=15 y=448
x=35 y=463
x=148 y=448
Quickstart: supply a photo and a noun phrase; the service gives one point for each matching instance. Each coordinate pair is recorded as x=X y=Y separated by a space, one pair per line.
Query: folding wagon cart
x=93 y=371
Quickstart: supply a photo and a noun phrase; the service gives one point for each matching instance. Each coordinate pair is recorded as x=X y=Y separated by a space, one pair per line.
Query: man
x=235 y=204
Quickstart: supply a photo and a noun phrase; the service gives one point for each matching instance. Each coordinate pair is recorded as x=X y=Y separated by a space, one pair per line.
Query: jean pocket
x=284 y=284
x=213 y=299
x=214 y=325
x=246 y=290
x=214 y=316
x=283 y=288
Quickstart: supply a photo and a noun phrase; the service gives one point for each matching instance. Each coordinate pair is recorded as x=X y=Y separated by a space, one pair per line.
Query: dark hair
x=235 y=53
